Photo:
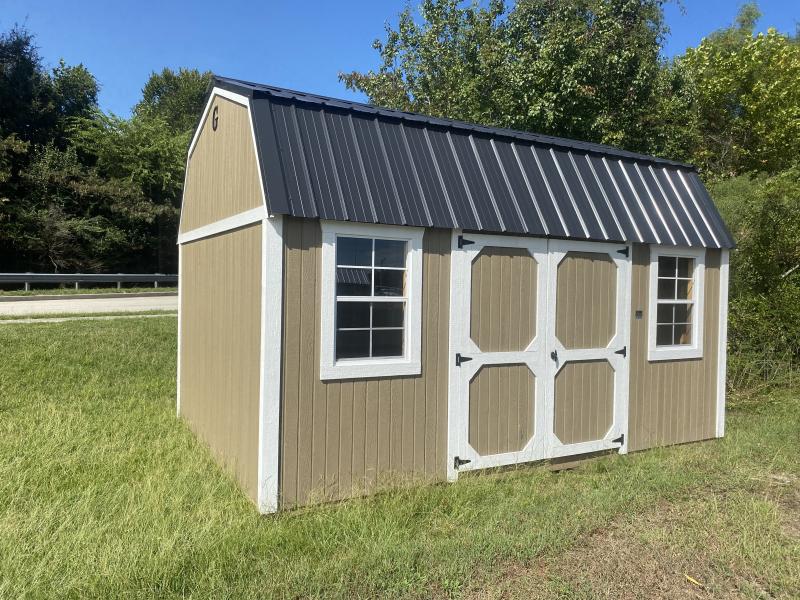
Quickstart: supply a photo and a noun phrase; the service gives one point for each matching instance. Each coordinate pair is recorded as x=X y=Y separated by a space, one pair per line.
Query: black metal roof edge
x=257 y=90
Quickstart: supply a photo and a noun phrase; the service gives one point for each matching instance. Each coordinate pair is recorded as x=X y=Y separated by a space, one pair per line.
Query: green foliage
x=587 y=69
x=176 y=97
x=743 y=93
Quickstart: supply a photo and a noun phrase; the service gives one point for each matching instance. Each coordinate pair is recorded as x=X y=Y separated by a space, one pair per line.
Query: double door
x=539 y=330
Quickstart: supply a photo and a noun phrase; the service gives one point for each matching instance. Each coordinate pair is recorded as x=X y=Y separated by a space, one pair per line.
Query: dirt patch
x=643 y=557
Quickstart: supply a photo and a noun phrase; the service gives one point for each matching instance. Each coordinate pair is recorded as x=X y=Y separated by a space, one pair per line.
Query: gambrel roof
x=334 y=159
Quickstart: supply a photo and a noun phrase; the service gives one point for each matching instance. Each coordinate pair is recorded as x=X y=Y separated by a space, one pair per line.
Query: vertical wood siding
x=501 y=405
x=503 y=299
x=586 y=300
x=340 y=438
x=584 y=401
x=220 y=347
x=222 y=177
x=672 y=402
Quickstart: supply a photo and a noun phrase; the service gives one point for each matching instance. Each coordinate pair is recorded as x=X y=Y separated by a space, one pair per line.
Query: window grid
x=683 y=325
x=372 y=298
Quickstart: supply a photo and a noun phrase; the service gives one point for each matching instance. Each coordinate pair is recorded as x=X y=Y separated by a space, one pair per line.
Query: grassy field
x=70 y=291
x=104 y=493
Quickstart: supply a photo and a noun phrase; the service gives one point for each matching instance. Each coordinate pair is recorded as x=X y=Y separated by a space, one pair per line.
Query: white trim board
x=269 y=405
x=241 y=219
x=722 y=350
x=180 y=343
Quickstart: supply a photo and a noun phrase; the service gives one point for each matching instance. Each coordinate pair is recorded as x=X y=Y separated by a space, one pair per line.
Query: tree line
x=85 y=190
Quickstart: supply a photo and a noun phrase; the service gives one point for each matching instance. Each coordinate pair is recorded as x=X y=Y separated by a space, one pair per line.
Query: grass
x=120 y=313
x=104 y=493
x=70 y=291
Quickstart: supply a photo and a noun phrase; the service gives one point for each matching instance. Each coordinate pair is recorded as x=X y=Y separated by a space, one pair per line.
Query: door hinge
x=461 y=359
x=457 y=462
x=626 y=251
x=464 y=242
x=620 y=440
x=623 y=352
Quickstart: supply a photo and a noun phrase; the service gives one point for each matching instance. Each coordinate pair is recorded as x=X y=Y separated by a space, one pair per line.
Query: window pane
x=685 y=267
x=387 y=343
x=684 y=289
x=389 y=283
x=352 y=314
x=354 y=251
x=665 y=313
x=387 y=314
x=666 y=266
x=683 y=334
x=666 y=289
x=353 y=282
x=352 y=344
x=664 y=335
x=390 y=253
x=683 y=313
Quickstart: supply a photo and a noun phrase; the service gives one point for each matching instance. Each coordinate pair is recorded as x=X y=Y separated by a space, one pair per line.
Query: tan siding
x=584 y=401
x=503 y=313
x=501 y=406
x=338 y=438
x=672 y=402
x=586 y=305
x=222 y=177
x=220 y=347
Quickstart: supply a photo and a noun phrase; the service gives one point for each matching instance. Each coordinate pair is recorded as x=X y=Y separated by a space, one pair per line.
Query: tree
x=176 y=97
x=743 y=96
x=587 y=69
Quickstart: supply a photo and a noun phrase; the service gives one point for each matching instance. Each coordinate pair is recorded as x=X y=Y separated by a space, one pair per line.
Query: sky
x=301 y=45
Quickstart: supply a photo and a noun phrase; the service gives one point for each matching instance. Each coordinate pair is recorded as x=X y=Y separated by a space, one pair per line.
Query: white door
x=537 y=330
x=498 y=374
x=588 y=338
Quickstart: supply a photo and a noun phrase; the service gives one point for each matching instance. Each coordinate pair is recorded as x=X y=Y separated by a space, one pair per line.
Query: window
x=372 y=282
x=676 y=303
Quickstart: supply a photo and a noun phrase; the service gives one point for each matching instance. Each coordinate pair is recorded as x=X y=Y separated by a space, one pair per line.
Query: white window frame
x=359 y=368
x=683 y=351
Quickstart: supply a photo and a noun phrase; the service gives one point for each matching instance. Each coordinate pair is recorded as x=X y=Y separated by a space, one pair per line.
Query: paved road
x=69 y=305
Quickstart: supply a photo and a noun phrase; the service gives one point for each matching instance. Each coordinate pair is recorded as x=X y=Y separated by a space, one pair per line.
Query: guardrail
x=78 y=278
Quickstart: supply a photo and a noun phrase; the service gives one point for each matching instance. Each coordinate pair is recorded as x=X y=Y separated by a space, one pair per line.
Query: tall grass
x=105 y=493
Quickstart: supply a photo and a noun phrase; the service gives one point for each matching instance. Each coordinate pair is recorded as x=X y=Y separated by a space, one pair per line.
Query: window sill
x=674 y=353
x=369 y=369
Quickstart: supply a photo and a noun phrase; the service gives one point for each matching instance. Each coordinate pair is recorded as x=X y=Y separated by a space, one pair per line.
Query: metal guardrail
x=78 y=278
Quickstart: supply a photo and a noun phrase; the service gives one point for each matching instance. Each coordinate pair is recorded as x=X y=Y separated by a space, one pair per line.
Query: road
x=70 y=305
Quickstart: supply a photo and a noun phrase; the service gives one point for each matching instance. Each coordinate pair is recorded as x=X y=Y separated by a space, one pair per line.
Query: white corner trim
x=722 y=352
x=180 y=330
x=241 y=219
x=269 y=406
x=411 y=363
x=695 y=349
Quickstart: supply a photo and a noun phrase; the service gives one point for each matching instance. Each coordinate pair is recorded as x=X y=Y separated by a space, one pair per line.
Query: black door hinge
x=464 y=242
x=457 y=462
x=620 y=440
x=623 y=352
x=626 y=251
x=461 y=359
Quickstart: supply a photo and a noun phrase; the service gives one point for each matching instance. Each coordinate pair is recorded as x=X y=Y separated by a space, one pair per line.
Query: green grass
x=70 y=291
x=121 y=313
x=104 y=493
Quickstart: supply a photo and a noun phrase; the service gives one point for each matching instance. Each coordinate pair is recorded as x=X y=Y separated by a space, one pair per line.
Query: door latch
x=554 y=355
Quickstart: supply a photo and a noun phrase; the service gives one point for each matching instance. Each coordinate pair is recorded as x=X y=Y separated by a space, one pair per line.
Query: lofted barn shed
x=368 y=293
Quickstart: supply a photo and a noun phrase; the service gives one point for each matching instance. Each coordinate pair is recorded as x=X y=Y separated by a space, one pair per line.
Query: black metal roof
x=334 y=159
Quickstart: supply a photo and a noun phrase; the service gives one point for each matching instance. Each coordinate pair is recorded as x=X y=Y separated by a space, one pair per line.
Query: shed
x=368 y=294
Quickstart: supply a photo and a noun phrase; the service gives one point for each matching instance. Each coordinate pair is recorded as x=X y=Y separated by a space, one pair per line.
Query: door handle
x=554 y=355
